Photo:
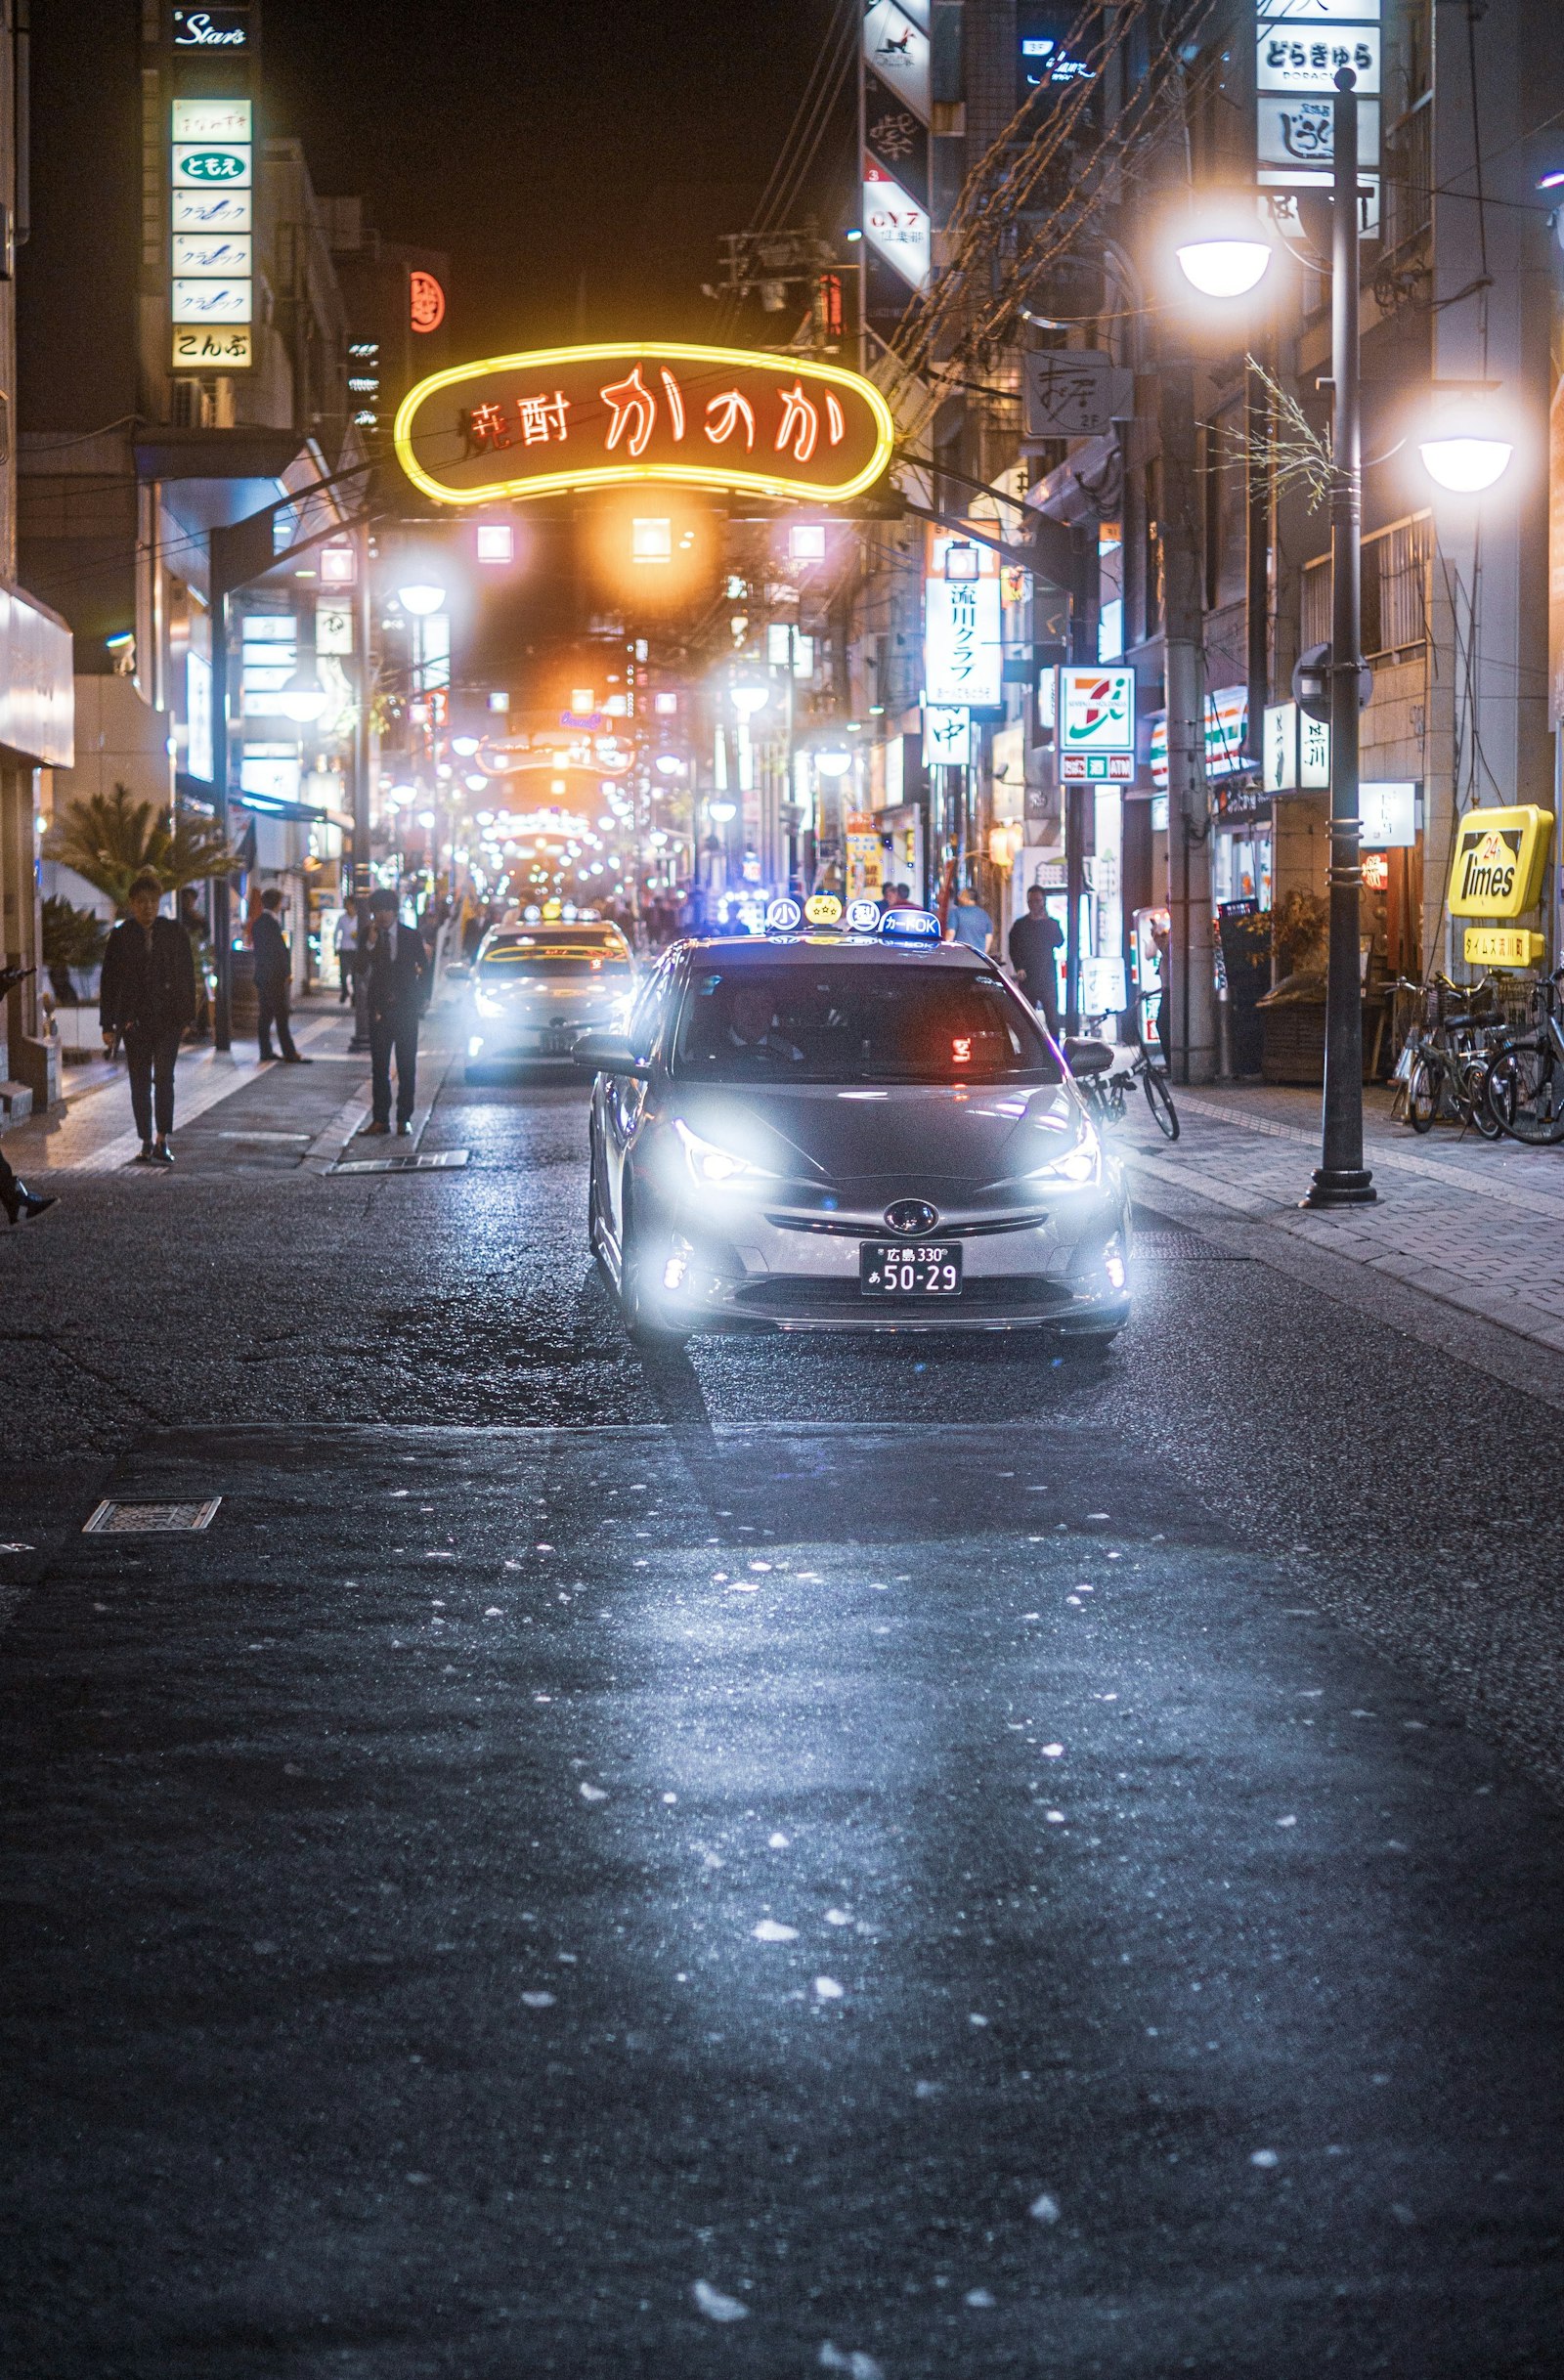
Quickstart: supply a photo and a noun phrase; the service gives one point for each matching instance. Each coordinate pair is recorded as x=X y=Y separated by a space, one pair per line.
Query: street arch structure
x=567 y=419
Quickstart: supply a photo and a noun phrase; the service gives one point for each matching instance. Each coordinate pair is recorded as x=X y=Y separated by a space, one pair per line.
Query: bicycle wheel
x=1159 y=1100
x=1474 y=1104
x=1529 y=1098
x=1422 y=1094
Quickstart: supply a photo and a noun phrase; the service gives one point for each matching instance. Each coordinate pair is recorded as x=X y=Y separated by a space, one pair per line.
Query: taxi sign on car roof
x=910 y=925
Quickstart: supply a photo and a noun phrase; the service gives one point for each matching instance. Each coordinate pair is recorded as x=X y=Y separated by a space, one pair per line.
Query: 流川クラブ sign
x=602 y=416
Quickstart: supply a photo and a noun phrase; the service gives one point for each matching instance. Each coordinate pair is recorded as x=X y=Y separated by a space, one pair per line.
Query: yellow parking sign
x=1498 y=861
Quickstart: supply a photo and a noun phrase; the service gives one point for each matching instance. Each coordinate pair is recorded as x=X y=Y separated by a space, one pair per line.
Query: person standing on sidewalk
x=19 y=1204
x=347 y=952
x=1035 y=941
x=970 y=920
x=401 y=972
x=273 y=970
x=146 y=998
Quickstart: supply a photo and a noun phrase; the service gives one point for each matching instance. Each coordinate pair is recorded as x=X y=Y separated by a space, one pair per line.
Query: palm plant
x=109 y=839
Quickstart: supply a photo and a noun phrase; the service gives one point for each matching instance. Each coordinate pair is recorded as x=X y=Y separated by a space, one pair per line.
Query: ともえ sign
x=604 y=416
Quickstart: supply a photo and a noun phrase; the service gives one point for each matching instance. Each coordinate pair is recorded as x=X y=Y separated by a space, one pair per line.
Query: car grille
x=784 y=1293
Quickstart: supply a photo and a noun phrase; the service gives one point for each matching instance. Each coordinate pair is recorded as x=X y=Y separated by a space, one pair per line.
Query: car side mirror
x=609 y=1054
x=1088 y=1057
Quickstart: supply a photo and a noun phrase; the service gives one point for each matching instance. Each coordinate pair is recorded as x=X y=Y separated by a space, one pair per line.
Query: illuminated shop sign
x=1096 y=711
x=1227 y=722
x=964 y=659
x=1299 y=46
x=426 y=302
x=211 y=257
x=603 y=417
x=1499 y=856
x=215 y=30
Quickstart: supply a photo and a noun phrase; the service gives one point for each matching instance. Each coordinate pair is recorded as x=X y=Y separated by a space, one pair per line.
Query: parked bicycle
x=1526 y=1074
x=1106 y=1074
x=1443 y=1069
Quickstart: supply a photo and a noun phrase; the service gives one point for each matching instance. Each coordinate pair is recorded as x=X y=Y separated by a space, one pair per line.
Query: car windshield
x=843 y=1023
x=557 y=961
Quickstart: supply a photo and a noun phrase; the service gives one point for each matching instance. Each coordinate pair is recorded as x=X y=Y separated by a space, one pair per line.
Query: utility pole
x=1341 y=1178
x=362 y=749
x=1192 y=1005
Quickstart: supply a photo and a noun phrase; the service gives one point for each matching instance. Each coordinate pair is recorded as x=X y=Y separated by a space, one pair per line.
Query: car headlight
x=486 y=1005
x=1078 y=1164
x=711 y=1166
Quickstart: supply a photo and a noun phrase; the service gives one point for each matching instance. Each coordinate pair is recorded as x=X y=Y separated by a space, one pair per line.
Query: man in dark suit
x=274 y=971
x=145 y=999
x=400 y=978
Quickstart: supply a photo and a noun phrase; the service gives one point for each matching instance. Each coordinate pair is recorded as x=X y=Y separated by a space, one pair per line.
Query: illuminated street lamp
x=1226 y=261
x=833 y=763
x=747 y=700
x=304 y=699
x=1465 y=449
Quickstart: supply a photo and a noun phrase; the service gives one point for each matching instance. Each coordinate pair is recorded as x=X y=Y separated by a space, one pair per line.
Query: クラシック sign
x=602 y=416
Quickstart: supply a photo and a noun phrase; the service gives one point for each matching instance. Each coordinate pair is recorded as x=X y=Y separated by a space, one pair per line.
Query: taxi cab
x=848 y=1123
x=534 y=988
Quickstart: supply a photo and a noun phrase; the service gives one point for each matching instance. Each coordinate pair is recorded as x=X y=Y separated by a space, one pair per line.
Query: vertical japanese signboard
x=963 y=649
x=211 y=186
x=1299 y=46
x=894 y=114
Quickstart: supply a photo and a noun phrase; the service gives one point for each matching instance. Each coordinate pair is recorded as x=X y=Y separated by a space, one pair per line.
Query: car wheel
x=644 y=1318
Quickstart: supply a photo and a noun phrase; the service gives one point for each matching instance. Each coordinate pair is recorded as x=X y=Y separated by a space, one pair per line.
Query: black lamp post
x=1341 y=1178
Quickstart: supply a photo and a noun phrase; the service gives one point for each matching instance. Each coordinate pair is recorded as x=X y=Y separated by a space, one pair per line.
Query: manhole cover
x=438 y=1161
x=114 y=1520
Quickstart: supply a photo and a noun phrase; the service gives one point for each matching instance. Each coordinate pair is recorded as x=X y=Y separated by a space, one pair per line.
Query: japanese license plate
x=902 y=1269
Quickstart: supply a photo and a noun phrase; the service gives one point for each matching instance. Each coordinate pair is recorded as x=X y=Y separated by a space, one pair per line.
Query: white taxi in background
x=534 y=989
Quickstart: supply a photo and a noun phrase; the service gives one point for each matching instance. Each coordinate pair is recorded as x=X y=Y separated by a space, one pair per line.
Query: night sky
x=540 y=144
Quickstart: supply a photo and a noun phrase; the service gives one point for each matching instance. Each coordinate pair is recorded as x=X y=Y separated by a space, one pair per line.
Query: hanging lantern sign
x=572 y=417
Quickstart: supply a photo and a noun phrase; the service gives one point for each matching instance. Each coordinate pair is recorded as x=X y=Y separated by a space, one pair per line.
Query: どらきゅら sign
x=570 y=418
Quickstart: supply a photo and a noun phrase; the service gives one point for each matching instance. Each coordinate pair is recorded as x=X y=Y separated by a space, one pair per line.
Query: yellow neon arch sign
x=561 y=420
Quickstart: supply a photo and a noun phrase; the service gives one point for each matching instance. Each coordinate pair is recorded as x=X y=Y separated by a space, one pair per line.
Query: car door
x=624 y=1096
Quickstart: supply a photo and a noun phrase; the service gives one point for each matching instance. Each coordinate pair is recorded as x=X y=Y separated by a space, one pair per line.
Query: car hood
x=908 y=1134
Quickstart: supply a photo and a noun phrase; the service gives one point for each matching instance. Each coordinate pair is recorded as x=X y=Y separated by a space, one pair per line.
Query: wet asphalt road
x=805 y=1856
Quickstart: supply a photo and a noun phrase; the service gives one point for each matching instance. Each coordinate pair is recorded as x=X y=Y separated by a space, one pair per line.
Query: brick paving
x=1478 y=1226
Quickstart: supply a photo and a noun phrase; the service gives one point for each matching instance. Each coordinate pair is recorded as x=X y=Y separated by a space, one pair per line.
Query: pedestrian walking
x=346 y=944
x=274 y=978
x=1035 y=941
x=970 y=920
x=145 y=999
x=401 y=972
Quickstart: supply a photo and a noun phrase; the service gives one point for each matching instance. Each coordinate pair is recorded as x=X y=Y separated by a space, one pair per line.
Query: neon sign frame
x=620 y=473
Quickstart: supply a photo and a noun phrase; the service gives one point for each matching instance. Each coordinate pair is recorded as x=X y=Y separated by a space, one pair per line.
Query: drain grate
x=113 y=1520
x=1187 y=1247
x=438 y=1161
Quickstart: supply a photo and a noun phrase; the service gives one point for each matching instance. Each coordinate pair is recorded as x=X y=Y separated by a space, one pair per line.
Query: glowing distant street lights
x=748 y=699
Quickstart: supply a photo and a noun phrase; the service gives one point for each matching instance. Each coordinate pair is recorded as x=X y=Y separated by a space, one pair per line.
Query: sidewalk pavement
x=1476 y=1225
x=93 y=1133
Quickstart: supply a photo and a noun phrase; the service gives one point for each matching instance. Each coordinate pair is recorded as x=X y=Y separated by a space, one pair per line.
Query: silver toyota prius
x=823 y=1131
x=534 y=988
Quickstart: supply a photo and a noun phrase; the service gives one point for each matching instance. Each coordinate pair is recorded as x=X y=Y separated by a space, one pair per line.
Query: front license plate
x=895 y=1269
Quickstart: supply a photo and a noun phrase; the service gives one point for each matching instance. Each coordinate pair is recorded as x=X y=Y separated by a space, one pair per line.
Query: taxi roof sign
x=911 y=925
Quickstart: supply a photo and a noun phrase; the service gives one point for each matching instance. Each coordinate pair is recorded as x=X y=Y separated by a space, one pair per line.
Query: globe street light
x=1464 y=447
x=833 y=763
x=1225 y=251
x=421 y=597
